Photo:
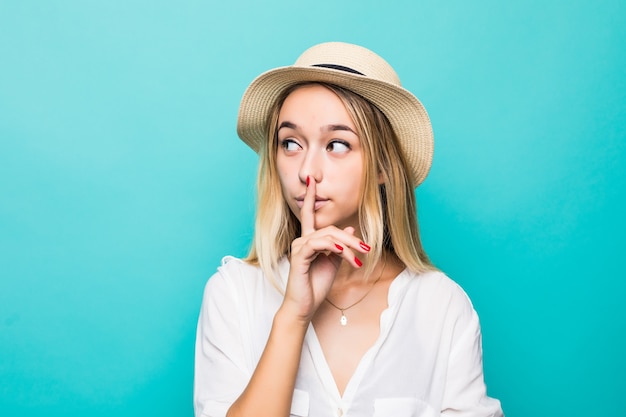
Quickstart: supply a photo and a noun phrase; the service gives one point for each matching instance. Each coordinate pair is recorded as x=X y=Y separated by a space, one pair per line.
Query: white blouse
x=426 y=362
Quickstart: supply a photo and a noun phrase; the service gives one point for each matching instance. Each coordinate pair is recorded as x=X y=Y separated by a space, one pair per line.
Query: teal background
x=123 y=183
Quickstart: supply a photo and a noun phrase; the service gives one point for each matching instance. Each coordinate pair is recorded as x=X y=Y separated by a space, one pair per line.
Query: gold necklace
x=344 y=320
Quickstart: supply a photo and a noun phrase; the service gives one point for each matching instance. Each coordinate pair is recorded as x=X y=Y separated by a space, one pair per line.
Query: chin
x=320 y=223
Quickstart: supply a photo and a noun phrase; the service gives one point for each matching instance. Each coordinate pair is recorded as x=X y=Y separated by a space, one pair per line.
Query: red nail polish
x=308 y=180
x=339 y=246
x=358 y=261
x=365 y=246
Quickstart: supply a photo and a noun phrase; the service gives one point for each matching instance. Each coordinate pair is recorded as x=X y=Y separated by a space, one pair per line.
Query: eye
x=340 y=146
x=289 y=145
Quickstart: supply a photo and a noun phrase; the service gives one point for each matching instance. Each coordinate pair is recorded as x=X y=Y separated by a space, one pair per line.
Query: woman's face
x=317 y=138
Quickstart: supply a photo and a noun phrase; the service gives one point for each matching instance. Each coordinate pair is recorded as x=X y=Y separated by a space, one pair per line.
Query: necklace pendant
x=343 y=320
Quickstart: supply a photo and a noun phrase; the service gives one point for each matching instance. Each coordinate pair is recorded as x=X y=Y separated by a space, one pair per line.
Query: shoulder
x=436 y=291
x=436 y=283
x=235 y=268
x=241 y=283
x=232 y=274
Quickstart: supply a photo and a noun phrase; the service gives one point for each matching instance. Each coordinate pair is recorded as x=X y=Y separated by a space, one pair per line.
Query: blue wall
x=122 y=183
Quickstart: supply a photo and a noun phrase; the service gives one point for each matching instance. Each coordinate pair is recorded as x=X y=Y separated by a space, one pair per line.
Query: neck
x=347 y=274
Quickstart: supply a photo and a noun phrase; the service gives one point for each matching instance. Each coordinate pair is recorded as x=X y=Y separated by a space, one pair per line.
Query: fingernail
x=365 y=246
x=358 y=261
x=308 y=180
x=339 y=246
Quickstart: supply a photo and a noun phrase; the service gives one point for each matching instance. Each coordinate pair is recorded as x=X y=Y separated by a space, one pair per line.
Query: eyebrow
x=328 y=128
x=288 y=125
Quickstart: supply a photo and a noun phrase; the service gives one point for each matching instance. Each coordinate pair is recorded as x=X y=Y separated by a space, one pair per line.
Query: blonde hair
x=387 y=212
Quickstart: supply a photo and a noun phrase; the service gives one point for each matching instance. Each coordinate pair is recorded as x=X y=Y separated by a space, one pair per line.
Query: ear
x=381 y=178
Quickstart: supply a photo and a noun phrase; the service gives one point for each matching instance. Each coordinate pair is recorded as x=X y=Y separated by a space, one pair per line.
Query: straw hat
x=356 y=69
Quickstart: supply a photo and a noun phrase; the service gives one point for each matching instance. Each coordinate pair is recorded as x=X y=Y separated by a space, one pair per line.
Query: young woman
x=337 y=310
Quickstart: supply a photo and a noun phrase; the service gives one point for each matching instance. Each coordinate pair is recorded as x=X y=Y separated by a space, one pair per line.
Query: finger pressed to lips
x=329 y=239
x=319 y=203
x=307 y=212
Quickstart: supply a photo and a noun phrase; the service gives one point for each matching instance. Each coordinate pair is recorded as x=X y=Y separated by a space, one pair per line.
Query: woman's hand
x=315 y=258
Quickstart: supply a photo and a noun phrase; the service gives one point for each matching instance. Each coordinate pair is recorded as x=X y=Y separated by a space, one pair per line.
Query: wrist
x=288 y=317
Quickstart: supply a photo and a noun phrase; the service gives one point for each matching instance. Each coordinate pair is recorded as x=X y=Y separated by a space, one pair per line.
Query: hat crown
x=345 y=57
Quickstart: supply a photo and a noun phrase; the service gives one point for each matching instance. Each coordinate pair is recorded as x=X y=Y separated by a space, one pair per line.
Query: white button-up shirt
x=426 y=362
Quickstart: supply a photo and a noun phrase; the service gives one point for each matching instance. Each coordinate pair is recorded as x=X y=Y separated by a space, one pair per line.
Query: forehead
x=314 y=104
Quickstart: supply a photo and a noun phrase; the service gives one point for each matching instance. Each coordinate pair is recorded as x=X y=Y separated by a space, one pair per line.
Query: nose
x=311 y=166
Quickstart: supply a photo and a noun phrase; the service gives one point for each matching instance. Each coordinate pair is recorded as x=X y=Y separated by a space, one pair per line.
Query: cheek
x=283 y=178
x=287 y=188
x=287 y=172
x=353 y=174
x=282 y=168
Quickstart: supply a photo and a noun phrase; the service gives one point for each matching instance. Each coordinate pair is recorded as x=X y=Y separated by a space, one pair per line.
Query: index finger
x=307 y=212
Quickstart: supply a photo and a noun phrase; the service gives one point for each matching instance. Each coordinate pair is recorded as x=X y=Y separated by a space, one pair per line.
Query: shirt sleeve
x=220 y=373
x=465 y=391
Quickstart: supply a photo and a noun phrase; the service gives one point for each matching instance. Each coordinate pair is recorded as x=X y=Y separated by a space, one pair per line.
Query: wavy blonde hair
x=387 y=212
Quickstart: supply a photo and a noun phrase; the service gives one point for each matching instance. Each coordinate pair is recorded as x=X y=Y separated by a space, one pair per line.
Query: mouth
x=319 y=202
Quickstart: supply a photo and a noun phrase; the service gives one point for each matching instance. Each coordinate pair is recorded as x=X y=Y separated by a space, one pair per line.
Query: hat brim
x=407 y=116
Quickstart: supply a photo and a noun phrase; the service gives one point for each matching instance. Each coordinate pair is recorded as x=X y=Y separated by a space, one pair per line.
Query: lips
x=319 y=202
